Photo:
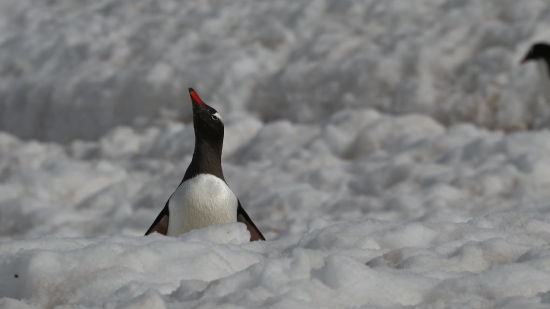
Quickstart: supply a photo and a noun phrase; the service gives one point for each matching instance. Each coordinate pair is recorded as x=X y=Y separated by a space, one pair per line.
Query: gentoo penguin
x=203 y=197
x=540 y=52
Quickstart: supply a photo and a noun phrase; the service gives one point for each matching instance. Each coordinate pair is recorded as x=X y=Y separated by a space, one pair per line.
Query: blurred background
x=345 y=110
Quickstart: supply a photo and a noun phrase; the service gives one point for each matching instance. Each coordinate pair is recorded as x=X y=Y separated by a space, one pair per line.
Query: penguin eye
x=216 y=117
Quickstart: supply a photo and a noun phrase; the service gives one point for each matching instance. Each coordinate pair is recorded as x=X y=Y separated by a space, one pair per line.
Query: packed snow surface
x=380 y=146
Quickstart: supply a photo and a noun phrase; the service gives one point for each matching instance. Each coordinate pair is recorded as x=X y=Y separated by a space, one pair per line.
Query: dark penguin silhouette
x=203 y=197
x=540 y=53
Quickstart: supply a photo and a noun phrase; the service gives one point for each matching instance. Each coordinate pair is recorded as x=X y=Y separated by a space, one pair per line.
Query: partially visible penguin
x=540 y=53
x=203 y=198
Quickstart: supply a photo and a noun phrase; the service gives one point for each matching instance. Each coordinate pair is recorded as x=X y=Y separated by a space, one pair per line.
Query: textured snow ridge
x=357 y=165
x=499 y=260
x=75 y=70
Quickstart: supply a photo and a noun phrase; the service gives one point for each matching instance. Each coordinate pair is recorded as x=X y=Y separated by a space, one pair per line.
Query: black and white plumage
x=203 y=198
x=540 y=53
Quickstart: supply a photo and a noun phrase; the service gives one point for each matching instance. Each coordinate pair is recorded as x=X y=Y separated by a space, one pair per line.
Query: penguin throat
x=544 y=75
x=206 y=159
x=546 y=64
x=207 y=148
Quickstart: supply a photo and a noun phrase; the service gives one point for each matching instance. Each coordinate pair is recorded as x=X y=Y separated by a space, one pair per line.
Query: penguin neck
x=544 y=72
x=207 y=159
x=544 y=66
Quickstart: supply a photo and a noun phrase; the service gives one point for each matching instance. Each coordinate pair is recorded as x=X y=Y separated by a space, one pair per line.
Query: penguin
x=203 y=197
x=540 y=53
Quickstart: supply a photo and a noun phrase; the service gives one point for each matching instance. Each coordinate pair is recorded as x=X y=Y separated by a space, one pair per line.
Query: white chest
x=199 y=202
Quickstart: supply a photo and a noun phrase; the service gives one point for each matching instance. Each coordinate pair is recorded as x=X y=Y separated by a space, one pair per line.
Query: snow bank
x=72 y=71
x=489 y=262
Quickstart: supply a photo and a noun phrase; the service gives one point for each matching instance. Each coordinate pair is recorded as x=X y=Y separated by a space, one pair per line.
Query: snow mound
x=490 y=262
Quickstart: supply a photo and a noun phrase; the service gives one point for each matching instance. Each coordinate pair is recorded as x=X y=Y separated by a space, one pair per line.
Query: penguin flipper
x=243 y=217
x=160 y=225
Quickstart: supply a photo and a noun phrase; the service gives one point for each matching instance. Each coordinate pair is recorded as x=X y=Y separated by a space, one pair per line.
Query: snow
x=485 y=262
x=107 y=63
x=382 y=147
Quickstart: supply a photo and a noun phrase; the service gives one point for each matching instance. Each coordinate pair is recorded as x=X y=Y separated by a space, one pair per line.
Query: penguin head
x=207 y=121
x=538 y=51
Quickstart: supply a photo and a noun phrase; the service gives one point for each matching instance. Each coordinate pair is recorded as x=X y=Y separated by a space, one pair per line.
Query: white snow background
x=394 y=153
